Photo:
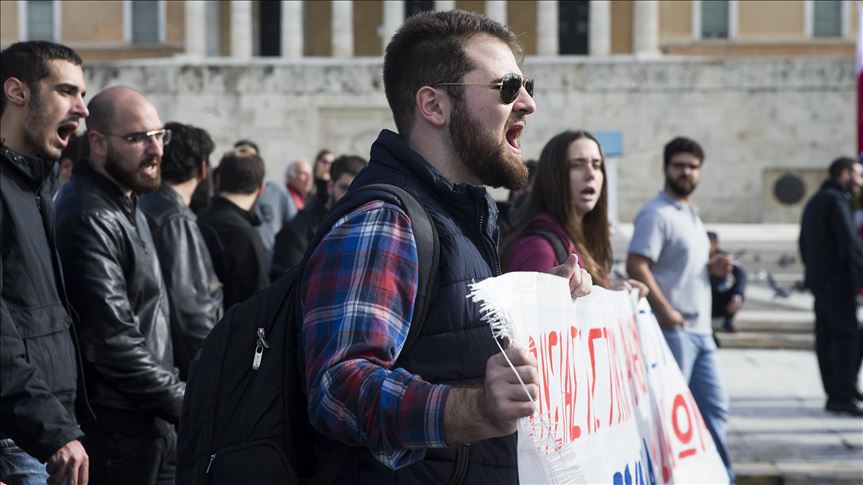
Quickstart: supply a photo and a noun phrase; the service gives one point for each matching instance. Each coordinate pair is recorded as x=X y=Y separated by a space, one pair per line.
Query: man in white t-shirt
x=669 y=252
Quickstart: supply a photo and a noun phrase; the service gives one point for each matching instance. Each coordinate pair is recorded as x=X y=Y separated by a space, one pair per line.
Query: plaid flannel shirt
x=358 y=295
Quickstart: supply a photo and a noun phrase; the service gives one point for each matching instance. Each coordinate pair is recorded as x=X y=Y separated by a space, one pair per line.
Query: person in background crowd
x=833 y=258
x=446 y=407
x=275 y=208
x=40 y=108
x=322 y=168
x=293 y=240
x=194 y=291
x=299 y=182
x=569 y=215
x=115 y=284
x=670 y=253
x=727 y=290
x=572 y=208
x=229 y=226
x=63 y=169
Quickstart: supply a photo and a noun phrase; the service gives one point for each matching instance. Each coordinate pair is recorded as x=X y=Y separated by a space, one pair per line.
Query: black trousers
x=837 y=341
x=118 y=458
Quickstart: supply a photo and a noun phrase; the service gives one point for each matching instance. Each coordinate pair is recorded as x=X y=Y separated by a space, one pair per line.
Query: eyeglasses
x=162 y=136
x=510 y=84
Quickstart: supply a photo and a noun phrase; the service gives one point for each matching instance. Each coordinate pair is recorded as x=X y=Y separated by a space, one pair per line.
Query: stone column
x=241 y=29
x=440 y=5
x=496 y=10
x=600 y=28
x=546 y=28
x=394 y=16
x=343 y=28
x=645 y=25
x=292 y=29
x=196 y=28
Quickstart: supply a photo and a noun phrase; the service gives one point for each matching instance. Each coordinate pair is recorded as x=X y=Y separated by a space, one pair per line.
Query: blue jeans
x=19 y=468
x=696 y=356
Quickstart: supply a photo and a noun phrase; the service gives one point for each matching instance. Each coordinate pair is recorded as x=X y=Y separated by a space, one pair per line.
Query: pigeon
x=779 y=290
x=786 y=260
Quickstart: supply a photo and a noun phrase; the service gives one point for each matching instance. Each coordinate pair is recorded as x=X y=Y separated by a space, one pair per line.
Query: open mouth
x=513 y=135
x=150 y=167
x=588 y=191
x=66 y=130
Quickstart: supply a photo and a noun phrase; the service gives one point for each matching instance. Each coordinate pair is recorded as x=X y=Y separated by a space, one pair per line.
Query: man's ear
x=16 y=92
x=98 y=143
x=433 y=106
x=260 y=190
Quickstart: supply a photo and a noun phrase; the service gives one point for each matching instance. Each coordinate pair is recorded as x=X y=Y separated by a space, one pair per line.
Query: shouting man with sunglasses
x=115 y=285
x=443 y=409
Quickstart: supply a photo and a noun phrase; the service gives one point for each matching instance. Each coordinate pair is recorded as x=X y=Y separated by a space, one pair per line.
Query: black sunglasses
x=509 y=85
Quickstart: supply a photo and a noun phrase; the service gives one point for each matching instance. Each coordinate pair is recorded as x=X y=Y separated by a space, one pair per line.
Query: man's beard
x=35 y=121
x=132 y=179
x=491 y=161
x=679 y=189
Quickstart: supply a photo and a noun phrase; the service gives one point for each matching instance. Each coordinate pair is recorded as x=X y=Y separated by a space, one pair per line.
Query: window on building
x=573 y=21
x=270 y=29
x=715 y=19
x=413 y=7
x=827 y=18
x=40 y=20
x=146 y=22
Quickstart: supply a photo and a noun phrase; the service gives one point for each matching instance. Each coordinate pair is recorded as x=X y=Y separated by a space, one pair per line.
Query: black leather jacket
x=115 y=285
x=194 y=291
x=38 y=361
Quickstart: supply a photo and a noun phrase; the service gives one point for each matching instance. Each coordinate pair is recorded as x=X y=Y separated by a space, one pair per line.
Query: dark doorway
x=270 y=31
x=573 y=26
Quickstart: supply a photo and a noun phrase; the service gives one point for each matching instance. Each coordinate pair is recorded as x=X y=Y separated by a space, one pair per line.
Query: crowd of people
x=110 y=284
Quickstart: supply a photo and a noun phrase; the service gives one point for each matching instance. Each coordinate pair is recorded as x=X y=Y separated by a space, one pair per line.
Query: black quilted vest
x=455 y=343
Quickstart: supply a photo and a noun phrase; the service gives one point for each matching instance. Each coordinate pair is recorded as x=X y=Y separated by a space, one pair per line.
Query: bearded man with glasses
x=445 y=408
x=115 y=285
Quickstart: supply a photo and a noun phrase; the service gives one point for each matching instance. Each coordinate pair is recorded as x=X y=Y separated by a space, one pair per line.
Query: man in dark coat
x=41 y=105
x=833 y=256
x=194 y=291
x=115 y=285
x=293 y=240
x=229 y=226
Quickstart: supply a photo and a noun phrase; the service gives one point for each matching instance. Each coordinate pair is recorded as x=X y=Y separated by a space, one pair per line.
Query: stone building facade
x=769 y=88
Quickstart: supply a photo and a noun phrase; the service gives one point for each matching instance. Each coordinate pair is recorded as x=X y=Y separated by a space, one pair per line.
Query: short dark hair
x=28 y=62
x=713 y=236
x=347 y=164
x=247 y=142
x=840 y=165
x=240 y=173
x=428 y=49
x=682 y=144
x=189 y=147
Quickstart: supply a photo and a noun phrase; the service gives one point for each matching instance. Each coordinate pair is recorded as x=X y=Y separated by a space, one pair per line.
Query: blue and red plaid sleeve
x=357 y=294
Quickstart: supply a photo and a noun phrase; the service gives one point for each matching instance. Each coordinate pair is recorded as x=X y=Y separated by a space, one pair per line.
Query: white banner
x=613 y=405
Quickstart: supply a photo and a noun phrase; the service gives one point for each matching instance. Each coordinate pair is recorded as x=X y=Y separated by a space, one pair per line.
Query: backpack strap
x=560 y=251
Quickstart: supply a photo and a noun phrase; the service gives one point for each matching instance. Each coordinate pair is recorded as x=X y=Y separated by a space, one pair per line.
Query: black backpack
x=244 y=417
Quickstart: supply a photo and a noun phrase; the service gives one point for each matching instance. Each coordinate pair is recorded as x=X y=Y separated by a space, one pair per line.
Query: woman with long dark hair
x=567 y=206
x=566 y=211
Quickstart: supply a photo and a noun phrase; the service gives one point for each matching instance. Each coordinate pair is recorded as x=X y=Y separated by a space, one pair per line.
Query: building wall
x=175 y=23
x=317 y=17
x=754 y=117
x=367 y=22
x=675 y=21
x=770 y=20
x=8 y=22
x=92 y=22
x=621 y=27
x=521 y=18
